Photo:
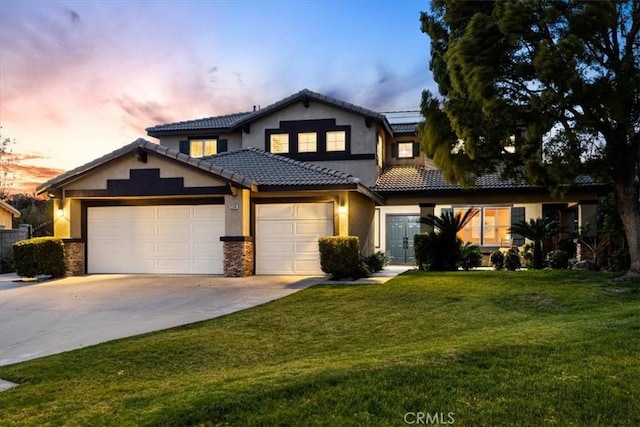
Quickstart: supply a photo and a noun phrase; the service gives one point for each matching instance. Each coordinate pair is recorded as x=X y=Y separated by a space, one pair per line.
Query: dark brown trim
x=236 y=238
x=189 y=191
x=268 y=188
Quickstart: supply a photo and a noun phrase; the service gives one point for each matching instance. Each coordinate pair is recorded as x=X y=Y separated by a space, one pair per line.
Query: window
x=379 y=151
x=307 y=142
x=279 y=143
x=405 y=150
x=203 y=147
x=336 y=140
x=489 y=227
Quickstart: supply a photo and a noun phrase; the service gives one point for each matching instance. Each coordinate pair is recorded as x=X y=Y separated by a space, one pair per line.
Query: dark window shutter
x=394 y=150
x=184 y=146
x=222 y=145
x=416 y=149
x=517 y=215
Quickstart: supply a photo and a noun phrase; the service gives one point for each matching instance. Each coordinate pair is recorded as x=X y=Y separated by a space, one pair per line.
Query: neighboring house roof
x=238 y=120
x=248 y=168
x=398 y=179
x=7 y=207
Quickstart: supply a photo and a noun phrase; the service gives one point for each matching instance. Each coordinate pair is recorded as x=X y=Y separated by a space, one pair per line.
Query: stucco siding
x=120 y=169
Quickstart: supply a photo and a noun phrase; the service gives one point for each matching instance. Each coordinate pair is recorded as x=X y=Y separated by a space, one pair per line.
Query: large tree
x=544 y=90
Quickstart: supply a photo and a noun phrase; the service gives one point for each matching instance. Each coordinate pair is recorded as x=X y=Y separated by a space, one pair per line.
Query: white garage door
x=178 y=239
x=287 y=237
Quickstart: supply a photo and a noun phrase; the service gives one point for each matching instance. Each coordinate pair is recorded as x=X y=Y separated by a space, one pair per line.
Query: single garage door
x=167 y=239
x=287 y=237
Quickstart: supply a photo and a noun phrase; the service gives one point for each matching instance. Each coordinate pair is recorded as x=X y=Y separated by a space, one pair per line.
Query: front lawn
x=471 y=348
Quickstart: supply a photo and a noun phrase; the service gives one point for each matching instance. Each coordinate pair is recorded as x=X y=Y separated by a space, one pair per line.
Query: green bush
x=437 y=251
x=39 y=256
x=470 y=256
x=376 y=261
x=497 y=259
x=558 y=259
x=340 y=257
x=512 y=260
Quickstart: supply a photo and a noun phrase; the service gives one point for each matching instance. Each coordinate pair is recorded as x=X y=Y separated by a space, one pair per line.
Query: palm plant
x=536 y=230
x=446 y=227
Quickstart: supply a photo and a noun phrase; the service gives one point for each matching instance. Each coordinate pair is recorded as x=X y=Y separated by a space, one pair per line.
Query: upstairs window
x=379 y=151
x=405 y=150
x=336 y=140
x=279 y=143
x=203 y=147
x=307 y=142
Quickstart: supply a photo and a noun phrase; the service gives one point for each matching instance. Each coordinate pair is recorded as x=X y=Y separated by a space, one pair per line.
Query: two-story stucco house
x=251 y=193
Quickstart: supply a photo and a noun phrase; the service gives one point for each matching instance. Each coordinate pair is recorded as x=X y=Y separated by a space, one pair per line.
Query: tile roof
x=248 y=168
x=419 y=178
x=217 y=122
x=306 y=93
x=147 y=146
x=237 y=120
x=268 y=169
x=404 y=128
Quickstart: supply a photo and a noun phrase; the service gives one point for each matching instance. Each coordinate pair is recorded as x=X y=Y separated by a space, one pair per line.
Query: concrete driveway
x=39 y=319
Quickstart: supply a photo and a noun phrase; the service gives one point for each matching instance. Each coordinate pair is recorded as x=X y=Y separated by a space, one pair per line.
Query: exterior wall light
x=342 y=210
x=60 y=213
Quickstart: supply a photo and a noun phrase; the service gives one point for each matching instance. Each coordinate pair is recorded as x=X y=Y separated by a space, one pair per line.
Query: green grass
x=492 y=348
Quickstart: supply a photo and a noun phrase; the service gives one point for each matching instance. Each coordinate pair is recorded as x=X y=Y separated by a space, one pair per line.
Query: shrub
x=470 y=256
x=558 y=259
x=340 y=257
x=497 y=259
x=39 y=256
x=423 y=250
x=376 y=261
x=512 y=260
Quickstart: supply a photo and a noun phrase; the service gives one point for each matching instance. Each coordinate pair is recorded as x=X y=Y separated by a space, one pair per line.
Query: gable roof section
x=7 y=207
x=238 y=120
x=149 y=147
x=407 y=179
x=247 y=168
x=306 y=94
x=222 y=123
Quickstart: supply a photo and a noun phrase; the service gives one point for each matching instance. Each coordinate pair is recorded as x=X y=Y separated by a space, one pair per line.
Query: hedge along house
x=251 y=193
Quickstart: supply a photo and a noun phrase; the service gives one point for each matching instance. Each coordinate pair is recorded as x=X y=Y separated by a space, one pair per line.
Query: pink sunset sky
x=79 y=79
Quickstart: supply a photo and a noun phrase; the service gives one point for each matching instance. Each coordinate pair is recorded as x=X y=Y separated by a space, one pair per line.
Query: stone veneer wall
x=74 y=256
x=238 y=258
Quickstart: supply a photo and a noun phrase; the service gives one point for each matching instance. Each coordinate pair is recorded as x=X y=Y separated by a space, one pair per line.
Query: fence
x=7 y=239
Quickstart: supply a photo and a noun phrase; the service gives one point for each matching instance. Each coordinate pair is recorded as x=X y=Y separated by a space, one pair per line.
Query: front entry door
x=400 y=230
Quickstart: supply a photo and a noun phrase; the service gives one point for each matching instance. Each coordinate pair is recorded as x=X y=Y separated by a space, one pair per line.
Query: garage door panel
x=307 y=246
x=155 y=239
x=313 y=210
x=311 y=228
x=279 y=230
x=273 y=248
x=275 y=212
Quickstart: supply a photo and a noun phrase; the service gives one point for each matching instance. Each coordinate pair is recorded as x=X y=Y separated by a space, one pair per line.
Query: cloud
x=24 y=177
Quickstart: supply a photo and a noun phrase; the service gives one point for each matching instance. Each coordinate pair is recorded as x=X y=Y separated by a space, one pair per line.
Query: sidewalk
x=389 y=272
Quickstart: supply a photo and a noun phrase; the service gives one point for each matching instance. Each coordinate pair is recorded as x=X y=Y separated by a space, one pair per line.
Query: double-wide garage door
x=287 y=237
x=167 y=239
